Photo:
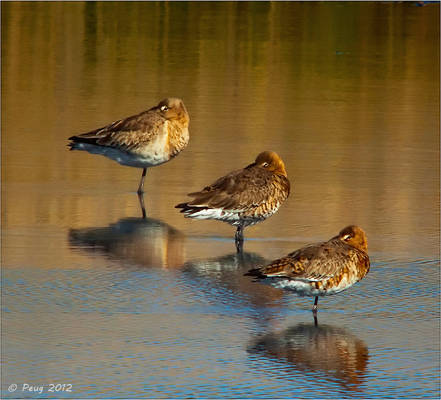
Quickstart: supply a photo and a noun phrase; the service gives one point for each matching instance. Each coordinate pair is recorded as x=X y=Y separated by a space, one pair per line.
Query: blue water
x=111 y=327
x=111 y=305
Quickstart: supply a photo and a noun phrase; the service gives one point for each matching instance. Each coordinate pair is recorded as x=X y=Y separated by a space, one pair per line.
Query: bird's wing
x=120 y=134
x=315 y=262
x=240 y=190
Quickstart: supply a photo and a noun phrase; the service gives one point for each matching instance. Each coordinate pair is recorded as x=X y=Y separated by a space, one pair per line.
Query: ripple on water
x=207 y=329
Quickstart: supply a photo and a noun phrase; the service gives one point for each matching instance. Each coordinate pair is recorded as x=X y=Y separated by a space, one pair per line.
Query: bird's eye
x=347 y=237
x=164 y=108
x=265 y=164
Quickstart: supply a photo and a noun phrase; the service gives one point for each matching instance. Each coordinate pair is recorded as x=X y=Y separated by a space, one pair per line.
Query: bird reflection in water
x=144 y=241
x=221 y=279
x=331 y=351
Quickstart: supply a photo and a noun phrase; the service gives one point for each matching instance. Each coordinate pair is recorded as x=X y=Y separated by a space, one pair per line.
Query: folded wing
x=120 y=134
x=238 y=191
x=315 y=262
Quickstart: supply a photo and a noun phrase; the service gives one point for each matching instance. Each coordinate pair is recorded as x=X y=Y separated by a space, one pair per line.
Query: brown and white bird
x=320 y=269
x=145 y=140
x=243 y=197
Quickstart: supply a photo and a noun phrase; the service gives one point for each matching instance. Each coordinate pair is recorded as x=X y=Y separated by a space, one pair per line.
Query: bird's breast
x=177 y=138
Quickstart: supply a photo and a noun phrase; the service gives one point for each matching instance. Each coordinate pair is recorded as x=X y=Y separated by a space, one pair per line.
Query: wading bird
x=243 y=197
x=320 y=269
x=145 y=140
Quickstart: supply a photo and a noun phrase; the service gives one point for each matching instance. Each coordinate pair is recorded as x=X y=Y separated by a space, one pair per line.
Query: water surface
x=119 y=306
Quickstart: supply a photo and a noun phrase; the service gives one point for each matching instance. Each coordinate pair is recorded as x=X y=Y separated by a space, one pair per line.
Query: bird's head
x=354 y=236
x=271 y=161
x=173 y=108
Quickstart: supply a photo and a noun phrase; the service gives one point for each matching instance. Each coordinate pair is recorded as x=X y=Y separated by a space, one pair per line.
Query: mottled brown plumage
x=243 y=197
x=150 y=138
x=322 y=268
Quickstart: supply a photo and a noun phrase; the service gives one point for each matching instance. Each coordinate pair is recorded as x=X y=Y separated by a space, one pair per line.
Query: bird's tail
x=79 y=142
x=72 y=146
x=188 y=209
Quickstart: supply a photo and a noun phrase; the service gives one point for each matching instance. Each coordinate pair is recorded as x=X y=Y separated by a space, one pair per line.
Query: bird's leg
x=314 y=307
x=141 y=203
x=239 y=238
x=239 y=247
x=314 y=310
x=141 y=183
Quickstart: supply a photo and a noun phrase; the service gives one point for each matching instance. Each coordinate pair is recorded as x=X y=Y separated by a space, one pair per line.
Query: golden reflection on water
x=332 y=351
x=141 y=241
x=346 y=93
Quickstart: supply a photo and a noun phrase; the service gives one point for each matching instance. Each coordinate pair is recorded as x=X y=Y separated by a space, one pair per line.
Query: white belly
x=306 y=288
x=217 y=213
x=149 y=156
x=231 y=217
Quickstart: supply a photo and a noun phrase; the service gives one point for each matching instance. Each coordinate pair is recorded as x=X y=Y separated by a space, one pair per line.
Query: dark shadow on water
x=332 y=352
x=222 y=281
x=226 y=264
x=143 y=241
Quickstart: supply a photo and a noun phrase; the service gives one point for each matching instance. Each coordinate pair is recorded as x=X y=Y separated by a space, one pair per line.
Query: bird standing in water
x=320 y=269
x=243 y=197
x=145 y=140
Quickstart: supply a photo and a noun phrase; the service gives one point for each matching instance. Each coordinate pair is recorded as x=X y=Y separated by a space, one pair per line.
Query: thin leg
x=239 y=238
x=141 y=183
x=314 y=310
x=314 y=307
x=141 y=203
x=239 y=246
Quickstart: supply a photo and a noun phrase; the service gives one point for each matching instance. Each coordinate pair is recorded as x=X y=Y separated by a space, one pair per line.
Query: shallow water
x=118 y=306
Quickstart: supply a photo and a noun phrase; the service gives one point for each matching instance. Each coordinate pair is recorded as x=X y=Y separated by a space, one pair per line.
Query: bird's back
x=125 y=134
x=143 y=140
x=317 y=269
x=248 y=195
